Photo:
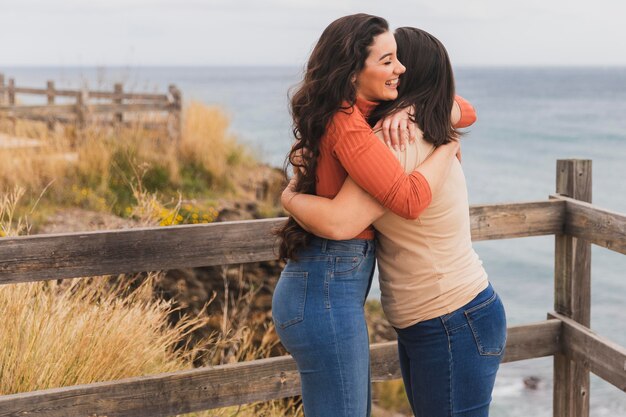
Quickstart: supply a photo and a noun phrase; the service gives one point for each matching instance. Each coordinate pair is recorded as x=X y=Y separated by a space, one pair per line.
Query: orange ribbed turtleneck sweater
x=350 y=147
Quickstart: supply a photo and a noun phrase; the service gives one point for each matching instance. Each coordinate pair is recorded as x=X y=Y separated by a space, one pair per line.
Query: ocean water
x=527 y=119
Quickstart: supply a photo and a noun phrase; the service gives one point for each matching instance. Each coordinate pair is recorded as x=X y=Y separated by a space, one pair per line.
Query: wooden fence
x=83 y=111
x=565 y=334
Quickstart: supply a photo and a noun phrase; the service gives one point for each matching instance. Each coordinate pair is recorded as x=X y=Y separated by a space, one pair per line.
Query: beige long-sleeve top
x=427 y=267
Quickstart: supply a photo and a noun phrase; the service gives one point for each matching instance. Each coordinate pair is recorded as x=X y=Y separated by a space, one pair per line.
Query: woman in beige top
x=450 y=323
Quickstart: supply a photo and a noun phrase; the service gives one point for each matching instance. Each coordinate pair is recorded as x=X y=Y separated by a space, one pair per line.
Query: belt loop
x=324 y=245
x=366 y=247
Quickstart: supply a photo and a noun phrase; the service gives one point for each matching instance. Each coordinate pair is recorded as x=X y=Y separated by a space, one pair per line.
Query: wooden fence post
x=81 y=113
x=11 y=92
x=11 y=101
x=118 y=117
x=175 y=125
x=50 y=92
x=50 y=96
x=2 y=93
x=572 y=292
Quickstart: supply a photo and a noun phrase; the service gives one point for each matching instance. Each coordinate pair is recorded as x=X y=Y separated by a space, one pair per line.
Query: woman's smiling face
x=378 y=80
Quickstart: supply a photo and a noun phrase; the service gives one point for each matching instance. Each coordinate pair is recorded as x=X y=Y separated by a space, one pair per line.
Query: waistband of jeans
x=481 y=297
x=359 y=246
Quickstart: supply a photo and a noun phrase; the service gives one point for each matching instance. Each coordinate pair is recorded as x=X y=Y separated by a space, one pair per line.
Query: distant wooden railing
x=565 y=334
x=83 y=111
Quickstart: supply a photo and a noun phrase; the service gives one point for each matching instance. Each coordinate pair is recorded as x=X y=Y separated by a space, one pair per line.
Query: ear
x=353 y=78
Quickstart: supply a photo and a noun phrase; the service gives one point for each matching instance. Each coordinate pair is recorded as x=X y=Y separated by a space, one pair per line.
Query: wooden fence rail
x=84 y=111
x=226 y=385
x=565 y=335
x=596 y=225
x=69 y=255
x=603 y=357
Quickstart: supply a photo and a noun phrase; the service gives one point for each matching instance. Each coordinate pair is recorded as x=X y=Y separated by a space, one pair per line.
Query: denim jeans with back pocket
x=449 y=363
x=317 y=309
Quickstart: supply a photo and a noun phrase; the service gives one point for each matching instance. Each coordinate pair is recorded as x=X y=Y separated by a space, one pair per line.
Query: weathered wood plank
x=534 y=340
x=43 y=91
x=596 y=225
x=50 y=92
x=11 y=92
x=2 y=93
x=131 y=123
x=40 y=109
x=129 y=96
x=134 y=107
x=82 y=114
x=205 y=388
x=41 y=257
x=71 y=118
x=28 y=90
x=50 y=98
x=175 y=124
x=93 y=108
x=62 y=118
x=572 y=292
x=600 y=355
x=505 y=221
x=119 y=92
x=93 y=94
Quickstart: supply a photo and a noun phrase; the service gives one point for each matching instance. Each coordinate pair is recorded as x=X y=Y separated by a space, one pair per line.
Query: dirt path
x=8 y=142
x=12 y=142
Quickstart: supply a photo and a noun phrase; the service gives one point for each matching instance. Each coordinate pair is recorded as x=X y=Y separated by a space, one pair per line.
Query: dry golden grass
x=34 y=167
x=391 y=396
x=9 y=225
x=84 y=331
x=205 y=140
x=97 y=169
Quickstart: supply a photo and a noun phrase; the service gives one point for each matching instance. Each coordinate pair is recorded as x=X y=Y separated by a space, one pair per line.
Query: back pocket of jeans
x=345 y=265
x=488 y=323
x=289 y=298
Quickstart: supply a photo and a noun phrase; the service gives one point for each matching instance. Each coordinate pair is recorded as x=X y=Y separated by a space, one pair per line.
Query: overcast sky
x=282 y=32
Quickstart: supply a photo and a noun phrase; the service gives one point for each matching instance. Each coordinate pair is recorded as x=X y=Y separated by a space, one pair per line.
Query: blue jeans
x=449 y=363
x=317 y=309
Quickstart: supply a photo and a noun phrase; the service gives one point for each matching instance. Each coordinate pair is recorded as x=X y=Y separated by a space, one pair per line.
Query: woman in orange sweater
x=318 y=301
x=450 y=323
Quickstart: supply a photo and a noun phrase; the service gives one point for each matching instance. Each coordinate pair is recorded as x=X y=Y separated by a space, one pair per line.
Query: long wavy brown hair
x=327 y=88
x=427 y=84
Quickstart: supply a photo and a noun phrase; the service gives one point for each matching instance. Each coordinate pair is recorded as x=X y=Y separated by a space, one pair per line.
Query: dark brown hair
x=427 y=84
x=327 y=88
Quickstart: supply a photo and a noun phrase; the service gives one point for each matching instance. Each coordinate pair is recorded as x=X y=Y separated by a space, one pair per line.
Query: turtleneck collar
x=365 y=106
